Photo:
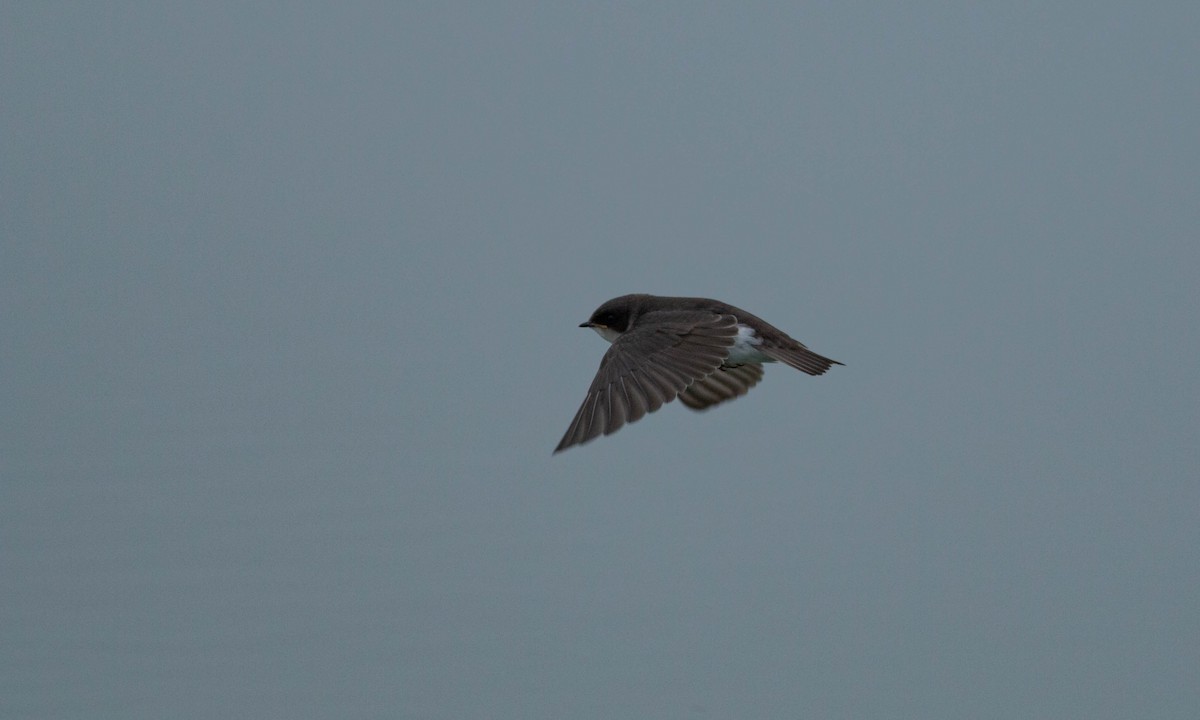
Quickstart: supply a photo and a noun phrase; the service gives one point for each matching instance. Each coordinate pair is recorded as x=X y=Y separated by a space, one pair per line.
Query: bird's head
x=614 y=317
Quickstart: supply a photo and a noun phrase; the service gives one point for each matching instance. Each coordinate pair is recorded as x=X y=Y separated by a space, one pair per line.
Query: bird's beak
x=586 y=324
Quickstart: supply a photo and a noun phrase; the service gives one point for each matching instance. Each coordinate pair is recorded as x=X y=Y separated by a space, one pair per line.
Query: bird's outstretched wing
x=648 y=366
x=723 y=384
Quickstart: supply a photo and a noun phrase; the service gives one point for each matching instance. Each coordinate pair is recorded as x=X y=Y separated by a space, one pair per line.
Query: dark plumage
x=703 y=351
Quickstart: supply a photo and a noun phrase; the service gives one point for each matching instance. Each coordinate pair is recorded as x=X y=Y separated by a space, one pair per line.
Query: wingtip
x=564 y=445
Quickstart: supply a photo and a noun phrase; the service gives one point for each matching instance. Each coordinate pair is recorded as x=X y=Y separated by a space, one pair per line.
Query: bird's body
x=705 y=352
x=745 y=348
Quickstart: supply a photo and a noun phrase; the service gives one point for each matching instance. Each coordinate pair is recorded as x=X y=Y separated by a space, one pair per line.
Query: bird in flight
x=702 y=351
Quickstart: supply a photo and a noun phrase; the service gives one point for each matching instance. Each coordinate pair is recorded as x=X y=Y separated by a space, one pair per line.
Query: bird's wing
x=726 y=383
x=648 y=366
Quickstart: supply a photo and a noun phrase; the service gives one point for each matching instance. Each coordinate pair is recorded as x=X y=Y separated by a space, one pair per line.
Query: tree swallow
x=702 y=351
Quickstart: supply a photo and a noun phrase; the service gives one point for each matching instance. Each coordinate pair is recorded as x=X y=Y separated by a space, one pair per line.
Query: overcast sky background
x=290 y=300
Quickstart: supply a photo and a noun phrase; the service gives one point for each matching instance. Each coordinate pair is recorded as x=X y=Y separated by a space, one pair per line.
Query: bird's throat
x=607 y=333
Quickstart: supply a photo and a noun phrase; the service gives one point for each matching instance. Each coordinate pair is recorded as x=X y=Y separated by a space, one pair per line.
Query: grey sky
x=290 y=332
